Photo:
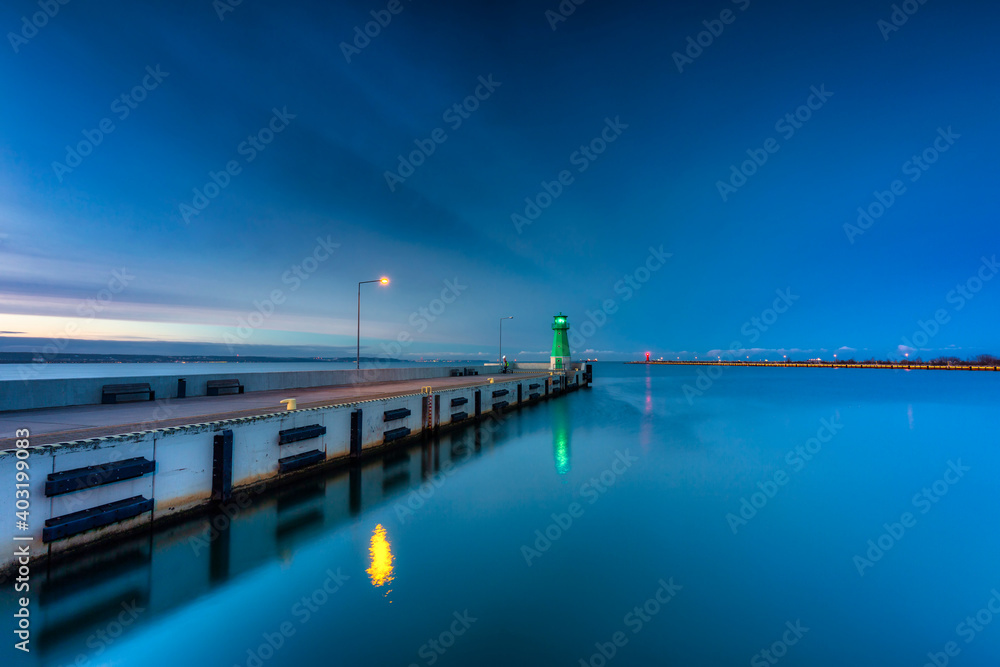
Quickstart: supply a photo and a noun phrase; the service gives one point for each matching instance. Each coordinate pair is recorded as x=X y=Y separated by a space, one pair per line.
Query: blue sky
x=318 y=188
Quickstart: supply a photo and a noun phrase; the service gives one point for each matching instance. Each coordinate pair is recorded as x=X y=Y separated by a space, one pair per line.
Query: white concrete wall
x=40 y=464
x=46 y=393
x=183 y=468
x=183 y=455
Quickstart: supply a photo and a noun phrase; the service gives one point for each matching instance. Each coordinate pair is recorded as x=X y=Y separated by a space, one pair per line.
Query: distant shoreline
x=29 y=358
x=823 y=364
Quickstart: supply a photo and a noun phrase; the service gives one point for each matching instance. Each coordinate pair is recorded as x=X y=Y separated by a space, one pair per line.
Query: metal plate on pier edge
x=67 y=525
x=399 y=413
x=300 y=433
x=396 y=434
x=303 y=460
x=68 y=481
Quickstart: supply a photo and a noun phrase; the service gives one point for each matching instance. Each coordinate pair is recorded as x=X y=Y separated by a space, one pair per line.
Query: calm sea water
x=67 y=371
x=825 y=517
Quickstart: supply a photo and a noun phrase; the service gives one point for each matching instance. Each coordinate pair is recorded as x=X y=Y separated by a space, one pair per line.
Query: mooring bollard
x=290 y=402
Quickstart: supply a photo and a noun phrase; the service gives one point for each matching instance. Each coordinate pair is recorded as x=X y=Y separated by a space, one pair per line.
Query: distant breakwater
x=825 y=364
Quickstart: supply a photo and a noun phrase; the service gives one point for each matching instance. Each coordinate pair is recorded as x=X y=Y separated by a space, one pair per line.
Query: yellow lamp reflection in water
x=380 y=551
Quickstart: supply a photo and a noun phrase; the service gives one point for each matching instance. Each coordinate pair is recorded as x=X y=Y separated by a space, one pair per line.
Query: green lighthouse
x=560 y=343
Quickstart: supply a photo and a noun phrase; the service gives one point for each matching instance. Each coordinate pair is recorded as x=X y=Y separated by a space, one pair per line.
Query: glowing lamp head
x=384 y=281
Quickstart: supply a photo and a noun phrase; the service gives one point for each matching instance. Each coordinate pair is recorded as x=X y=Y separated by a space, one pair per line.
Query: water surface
x=430 y=556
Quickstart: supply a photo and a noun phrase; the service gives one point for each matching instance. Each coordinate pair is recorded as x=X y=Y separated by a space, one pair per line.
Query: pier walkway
x=53 y=425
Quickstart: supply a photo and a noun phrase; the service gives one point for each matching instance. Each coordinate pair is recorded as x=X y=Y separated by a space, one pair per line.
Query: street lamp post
x=383 y=281
x=500 y=351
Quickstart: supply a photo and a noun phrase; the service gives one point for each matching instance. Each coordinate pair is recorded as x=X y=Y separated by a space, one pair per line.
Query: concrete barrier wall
x=50 y=393
x=544 y=365
x=183 y=457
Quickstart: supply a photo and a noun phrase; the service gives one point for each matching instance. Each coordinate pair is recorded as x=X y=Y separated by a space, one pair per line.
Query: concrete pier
x=98 y=472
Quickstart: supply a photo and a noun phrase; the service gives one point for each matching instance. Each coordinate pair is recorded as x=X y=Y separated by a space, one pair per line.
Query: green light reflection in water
x=561 y=429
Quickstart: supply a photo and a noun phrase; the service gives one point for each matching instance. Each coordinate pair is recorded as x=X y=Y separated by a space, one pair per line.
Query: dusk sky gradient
x=63 y=235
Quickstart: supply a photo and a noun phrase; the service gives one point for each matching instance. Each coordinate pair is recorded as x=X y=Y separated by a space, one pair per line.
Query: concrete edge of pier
x=98 y=490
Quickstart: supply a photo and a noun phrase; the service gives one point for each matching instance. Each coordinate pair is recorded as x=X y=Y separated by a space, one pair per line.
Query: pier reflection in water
x=88 y=601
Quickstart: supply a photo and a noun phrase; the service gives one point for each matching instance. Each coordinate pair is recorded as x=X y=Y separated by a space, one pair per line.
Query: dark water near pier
x=636 y=496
